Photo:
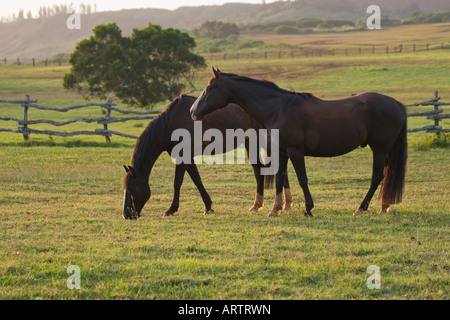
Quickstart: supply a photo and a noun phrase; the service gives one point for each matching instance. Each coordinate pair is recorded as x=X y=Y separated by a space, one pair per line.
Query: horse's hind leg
x=379 y=160
x=195 y=176
x=180 y=169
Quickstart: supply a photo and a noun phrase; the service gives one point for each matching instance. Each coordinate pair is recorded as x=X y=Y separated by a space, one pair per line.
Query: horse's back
x=335 y=127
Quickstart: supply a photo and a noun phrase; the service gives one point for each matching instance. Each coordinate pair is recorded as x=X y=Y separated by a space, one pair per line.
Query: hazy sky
x=7 y=6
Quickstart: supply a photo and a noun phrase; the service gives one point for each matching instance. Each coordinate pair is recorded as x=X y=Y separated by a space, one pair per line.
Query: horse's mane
x=144 y=142
x=267 y=84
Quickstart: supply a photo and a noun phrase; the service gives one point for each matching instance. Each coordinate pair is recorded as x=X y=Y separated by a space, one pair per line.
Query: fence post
x=25 y=118
x=436 y=108
x=33 y=62
x=107 y=116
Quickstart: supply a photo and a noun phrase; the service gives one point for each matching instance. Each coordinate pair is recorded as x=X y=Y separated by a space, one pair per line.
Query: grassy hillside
x=61 y=202
x=44 y=37
x=434 y=34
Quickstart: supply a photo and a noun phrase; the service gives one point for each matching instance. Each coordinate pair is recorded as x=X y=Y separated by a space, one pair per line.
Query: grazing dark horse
x=156 y=138
x=309 y=126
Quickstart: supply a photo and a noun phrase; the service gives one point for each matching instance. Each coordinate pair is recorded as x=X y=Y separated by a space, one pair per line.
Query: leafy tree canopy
x=151 y=65
x=216 y=30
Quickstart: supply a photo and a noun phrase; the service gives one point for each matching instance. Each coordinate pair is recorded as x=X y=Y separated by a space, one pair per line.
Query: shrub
x=284 y=29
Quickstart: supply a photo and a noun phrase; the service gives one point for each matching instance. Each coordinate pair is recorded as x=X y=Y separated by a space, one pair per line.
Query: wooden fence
x=34 y=62
x=107 y=119
x=318 y=52
x=268 y=54
x=436 y=114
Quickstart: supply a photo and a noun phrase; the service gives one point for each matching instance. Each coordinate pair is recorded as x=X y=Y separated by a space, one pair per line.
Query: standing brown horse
x=309 y=126
x=156 y=138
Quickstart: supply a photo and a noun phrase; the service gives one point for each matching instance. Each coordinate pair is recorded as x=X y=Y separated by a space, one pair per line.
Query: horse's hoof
x=255 y=208
x=273 y=213
x=288 y=207
x=168 y=214
x=358 y=212
x=307 y=214
x=208 y=212
x=385 y=208
x=133 y=217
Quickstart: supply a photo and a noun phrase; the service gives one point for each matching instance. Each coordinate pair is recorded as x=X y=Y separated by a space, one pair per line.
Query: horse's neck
x=256 y=102
x=144 y=160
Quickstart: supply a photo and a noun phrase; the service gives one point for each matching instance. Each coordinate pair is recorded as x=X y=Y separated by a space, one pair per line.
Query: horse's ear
x=132 y=171
x=129 y=170
x=216 y=73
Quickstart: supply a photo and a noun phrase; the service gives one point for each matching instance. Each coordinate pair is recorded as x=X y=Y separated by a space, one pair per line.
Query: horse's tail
x=268 y=181
x=394 y=171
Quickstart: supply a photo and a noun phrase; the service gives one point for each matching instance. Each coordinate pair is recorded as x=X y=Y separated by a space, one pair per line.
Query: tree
x=216 y=30
x=151 y=65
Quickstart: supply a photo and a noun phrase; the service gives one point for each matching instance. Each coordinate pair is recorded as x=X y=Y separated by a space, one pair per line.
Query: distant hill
x=44 y=37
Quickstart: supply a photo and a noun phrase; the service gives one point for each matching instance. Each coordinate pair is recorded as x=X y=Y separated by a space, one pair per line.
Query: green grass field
x=61 y=199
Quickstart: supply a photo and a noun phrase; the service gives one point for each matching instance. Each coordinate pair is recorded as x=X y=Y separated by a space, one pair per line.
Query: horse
x=156 y=139
x=309 y=126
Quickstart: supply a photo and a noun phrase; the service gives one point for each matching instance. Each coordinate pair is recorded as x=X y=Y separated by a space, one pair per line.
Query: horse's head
x=212 y=98
x=137 y=192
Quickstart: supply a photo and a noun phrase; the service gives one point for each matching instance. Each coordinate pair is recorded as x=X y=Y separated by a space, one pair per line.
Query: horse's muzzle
x=129 y=210
x=195 y=114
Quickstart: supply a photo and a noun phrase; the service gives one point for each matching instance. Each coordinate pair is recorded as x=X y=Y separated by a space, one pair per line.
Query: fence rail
x=18 y=61
x=107 y=119
x=269 y=54
x=318 y=52
x=436 y=114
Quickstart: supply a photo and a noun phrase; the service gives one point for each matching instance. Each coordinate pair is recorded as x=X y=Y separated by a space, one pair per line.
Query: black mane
x=267 y=84
x=146 y=139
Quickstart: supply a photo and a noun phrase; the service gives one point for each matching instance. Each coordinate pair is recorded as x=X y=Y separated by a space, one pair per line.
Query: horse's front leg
x=279 y=180
x=289 y=202
x=259 y=198
x=258 y=204
x=180 y=169
x=298 y=161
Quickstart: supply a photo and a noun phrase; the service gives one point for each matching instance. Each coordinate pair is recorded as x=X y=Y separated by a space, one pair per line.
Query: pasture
x=61 y=204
